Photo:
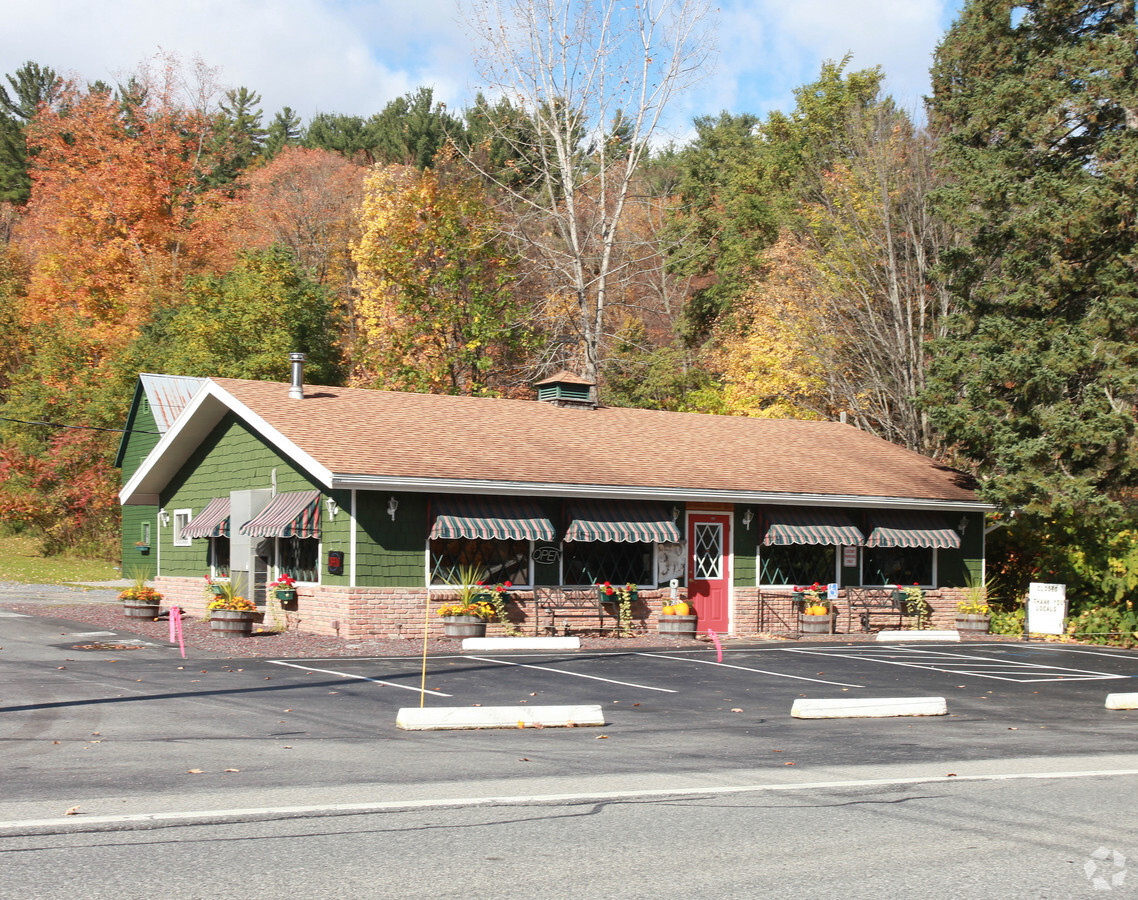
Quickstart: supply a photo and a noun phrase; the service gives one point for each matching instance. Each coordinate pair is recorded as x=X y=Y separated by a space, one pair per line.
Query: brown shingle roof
x=401 y=435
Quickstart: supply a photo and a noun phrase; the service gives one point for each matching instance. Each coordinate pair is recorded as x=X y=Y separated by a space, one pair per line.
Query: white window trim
x=180 y=540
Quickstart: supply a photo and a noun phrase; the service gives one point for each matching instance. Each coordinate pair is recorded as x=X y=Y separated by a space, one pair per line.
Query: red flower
x=508 y=584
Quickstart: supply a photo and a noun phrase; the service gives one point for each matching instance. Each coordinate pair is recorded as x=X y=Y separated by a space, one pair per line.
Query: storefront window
x=300 y=558
x=797 y=564
x=219 y=556
x=497 y=561
x=898 y=565
x=619 y=562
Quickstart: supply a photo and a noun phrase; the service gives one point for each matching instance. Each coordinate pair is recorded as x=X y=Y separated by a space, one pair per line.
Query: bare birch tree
x=591 y=79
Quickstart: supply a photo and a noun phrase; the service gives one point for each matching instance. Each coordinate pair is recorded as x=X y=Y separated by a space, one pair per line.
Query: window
x=219 y=556
x=797 y=564
x=144 y=534
x=300 y=558
x=619 y=562
x=498 y=560
x=182 y=518
x=898 y=565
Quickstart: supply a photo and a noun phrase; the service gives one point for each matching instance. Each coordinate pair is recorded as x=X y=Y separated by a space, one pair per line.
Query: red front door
x=709 y=589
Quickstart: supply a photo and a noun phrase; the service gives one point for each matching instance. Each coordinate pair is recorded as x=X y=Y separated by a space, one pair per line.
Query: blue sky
x=353 y=56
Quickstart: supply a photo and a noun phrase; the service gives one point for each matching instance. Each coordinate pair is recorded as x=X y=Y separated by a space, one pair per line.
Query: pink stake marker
x=718 y=647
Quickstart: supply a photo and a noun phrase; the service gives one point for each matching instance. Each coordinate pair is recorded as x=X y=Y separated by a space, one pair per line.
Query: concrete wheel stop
x=445 y=718
x=1122 y=701
x=868 y=707
x=894 y=636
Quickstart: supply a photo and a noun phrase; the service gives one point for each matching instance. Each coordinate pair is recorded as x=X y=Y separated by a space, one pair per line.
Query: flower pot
x=464 y=626
x=676 y=626
x=231 y=622
x=144 y=549
x=286 y=595
x=135 y=610
x=815 y=624
x=216 y=589
x=972 y=623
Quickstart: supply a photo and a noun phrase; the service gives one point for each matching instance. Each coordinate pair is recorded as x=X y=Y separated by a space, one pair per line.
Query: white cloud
x=353 y=56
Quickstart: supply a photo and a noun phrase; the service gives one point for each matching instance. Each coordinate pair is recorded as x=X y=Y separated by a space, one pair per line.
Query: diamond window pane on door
x=708 y=554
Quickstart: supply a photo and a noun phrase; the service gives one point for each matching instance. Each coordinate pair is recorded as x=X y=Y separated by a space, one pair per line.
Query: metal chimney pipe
x=296 y=389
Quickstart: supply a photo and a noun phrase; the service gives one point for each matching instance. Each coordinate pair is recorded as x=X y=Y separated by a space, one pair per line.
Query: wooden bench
x=870 y=600
x=571 y=603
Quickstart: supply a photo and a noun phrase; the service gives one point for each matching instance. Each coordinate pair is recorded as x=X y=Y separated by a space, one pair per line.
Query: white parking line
x=708 y=662
x=505 y=662
x=405 y=687
x=978 y=666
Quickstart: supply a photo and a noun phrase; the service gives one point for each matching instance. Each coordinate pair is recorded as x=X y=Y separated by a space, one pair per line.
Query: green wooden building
x=375 y=500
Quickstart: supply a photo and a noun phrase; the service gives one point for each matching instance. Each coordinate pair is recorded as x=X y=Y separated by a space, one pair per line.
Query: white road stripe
x=523 y=799
x=505 y=662
x=1061 y=673
x=405 y=687
x=708 y=662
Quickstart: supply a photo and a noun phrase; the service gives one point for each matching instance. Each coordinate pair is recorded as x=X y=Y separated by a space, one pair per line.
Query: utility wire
x=81 y=427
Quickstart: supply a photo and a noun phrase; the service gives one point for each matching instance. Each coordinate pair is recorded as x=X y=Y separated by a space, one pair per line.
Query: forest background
x=962 y=285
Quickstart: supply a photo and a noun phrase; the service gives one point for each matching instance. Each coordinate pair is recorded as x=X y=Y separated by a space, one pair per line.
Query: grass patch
x=20 y=561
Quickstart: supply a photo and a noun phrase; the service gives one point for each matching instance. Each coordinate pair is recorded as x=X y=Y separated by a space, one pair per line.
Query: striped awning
x=907 y=528
x=787 y=525
x=211 y=522
x=490 y=518
x=630 y=521
x=290 y=514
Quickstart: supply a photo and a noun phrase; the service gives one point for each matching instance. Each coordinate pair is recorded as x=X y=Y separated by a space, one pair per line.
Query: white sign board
x=849 y=556
x=1046 y=608
x=832 y=591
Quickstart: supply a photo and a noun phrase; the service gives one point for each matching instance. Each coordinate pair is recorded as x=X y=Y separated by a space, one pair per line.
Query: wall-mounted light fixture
x=675 y=513
x=963 y=525
x=392 y=505
x=163 y=517
x=333 y=506
x=748 y=518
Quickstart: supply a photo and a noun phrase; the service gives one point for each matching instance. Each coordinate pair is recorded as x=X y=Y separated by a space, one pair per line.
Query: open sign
x=546 y=556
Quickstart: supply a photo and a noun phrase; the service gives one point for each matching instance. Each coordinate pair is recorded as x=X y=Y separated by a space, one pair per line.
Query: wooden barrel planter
x=134 y=610
x=231 y=622
x=812 y=624
x=463 y=626
x=972 y=623
x=676 y=626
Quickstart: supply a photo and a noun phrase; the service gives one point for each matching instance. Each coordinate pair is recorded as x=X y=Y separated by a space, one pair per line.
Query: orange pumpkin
x=668 y=611
x=681 y=609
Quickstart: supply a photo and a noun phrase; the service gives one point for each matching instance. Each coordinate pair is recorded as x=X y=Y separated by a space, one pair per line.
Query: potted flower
x=230 y=614
x=466 y=618
x=816 y=616
x=973 y=614
x=142 y=547
x=284 y=588
x=213 y=588
x=466 y=615
x=140 y=601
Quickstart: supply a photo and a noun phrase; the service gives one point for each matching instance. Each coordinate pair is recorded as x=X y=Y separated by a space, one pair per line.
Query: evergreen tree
x=411 y=130
x=286 y=130
x=31 y=85
x=1037 y=107
x=240 y=136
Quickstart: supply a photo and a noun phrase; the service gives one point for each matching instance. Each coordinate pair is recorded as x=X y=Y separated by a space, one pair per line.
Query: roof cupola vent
x=567 y=389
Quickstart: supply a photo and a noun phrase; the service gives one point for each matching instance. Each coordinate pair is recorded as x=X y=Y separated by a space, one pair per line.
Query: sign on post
x=1046 y=608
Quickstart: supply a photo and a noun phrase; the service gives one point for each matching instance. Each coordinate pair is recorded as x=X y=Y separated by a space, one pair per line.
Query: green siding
x=746 y=548
x=231 y=458
x=955 y=568
x=137 y=444
x=391 y=554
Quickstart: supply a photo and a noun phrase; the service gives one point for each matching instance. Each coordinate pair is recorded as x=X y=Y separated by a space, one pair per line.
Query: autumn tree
x=244 y=322
x=593 y=80
x=437 y=310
